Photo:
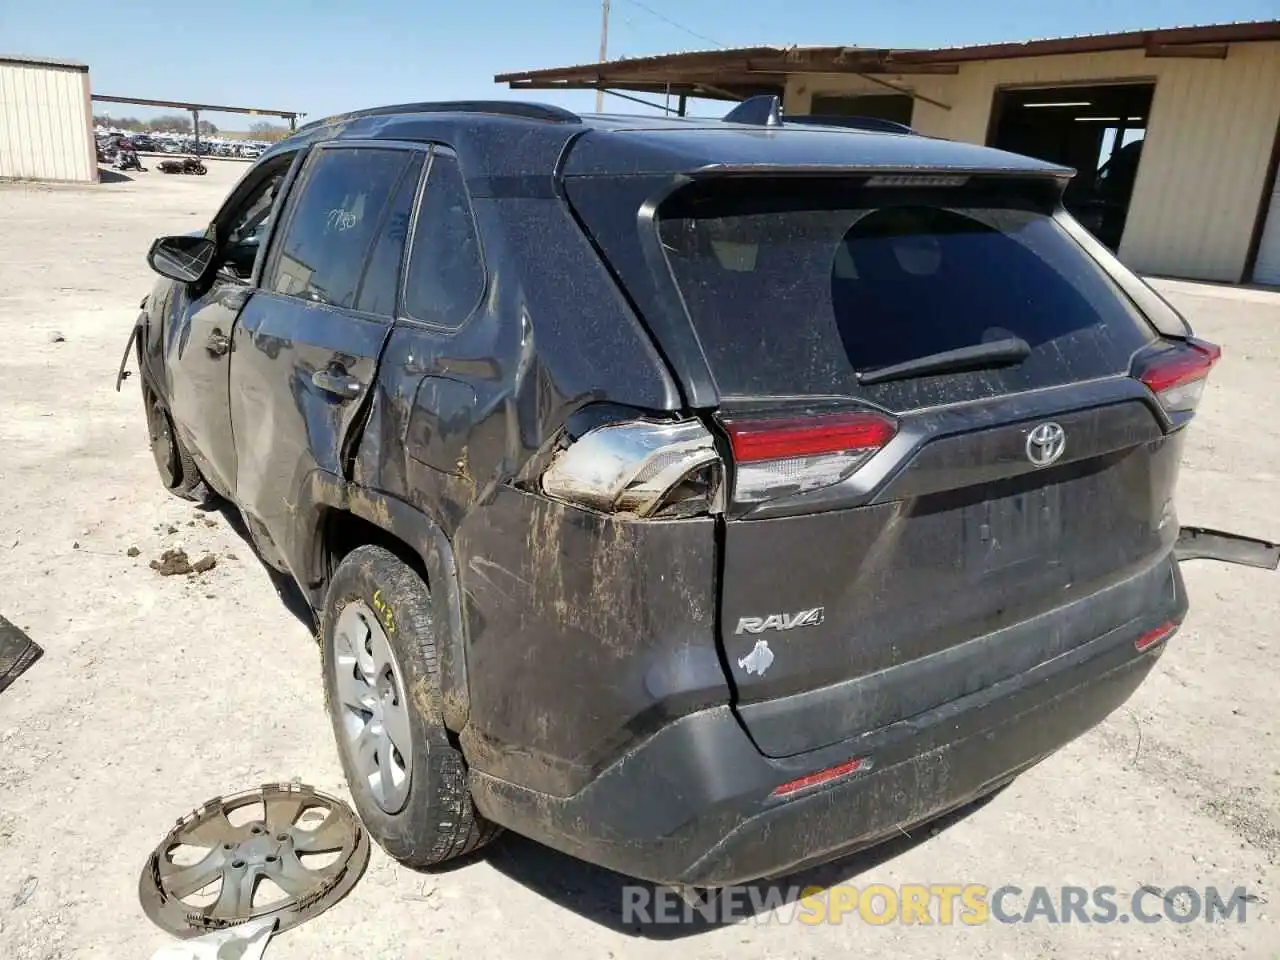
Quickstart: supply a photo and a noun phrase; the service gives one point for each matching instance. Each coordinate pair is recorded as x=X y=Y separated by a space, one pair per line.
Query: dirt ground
x=157 y=693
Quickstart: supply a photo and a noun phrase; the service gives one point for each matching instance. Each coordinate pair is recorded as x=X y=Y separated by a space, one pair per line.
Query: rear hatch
x=942 y=470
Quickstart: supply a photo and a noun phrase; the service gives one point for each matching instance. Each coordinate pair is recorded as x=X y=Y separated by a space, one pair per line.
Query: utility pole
x=604 y=48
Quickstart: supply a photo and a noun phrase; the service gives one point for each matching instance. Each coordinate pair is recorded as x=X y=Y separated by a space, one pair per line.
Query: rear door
x=942 y=472
x=307 y=346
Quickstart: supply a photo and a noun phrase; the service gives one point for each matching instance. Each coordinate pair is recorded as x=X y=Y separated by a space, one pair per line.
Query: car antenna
x=762 y=111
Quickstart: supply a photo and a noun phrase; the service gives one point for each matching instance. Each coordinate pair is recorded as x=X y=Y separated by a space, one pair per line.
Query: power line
x=672 y=23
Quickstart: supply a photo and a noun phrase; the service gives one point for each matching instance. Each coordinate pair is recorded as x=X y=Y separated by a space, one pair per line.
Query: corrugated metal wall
x=46 y=123
x=1204 y=166
x=1267 y=267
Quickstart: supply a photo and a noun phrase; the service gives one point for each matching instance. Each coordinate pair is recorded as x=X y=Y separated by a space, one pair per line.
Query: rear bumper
x=692 y=804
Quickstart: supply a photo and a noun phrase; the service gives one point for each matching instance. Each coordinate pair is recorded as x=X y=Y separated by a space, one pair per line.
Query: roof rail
x=762 y=111
x=766 y=111
x=856 y=123
x=504 y=108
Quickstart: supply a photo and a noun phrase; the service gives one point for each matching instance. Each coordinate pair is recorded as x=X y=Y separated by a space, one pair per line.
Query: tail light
x=642 y=467
x=781 y=456
x=1177 y=376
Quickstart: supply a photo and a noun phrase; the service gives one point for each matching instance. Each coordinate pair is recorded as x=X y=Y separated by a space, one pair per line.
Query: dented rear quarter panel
x=586 y=631
x=577 y=630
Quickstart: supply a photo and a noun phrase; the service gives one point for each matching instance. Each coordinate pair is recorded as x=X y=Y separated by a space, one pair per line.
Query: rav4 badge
x=781 y=621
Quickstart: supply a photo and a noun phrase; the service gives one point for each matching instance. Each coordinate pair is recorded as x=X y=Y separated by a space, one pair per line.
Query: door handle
x=338 y=382
x=218 y=343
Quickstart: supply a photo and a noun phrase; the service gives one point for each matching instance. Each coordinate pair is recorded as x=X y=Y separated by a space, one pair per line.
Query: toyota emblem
x=1046 y=443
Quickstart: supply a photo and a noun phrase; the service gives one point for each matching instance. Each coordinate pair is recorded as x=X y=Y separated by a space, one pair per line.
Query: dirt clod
x=171 y=563
x=56 y=337
x=133 y=551
x=205 y=564
x=172 y=529
x=210 y=522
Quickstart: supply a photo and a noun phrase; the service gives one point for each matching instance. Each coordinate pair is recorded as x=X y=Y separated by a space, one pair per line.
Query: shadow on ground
x=641 y=909
x=107 y=175
x=291 y=594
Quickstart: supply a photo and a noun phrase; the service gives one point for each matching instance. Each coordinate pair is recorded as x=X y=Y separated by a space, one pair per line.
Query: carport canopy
x=736 y=74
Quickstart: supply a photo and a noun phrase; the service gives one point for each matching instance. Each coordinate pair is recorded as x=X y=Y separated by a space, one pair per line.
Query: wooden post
x=604 y=48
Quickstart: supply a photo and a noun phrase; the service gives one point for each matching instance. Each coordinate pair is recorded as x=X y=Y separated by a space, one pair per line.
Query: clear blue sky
x=325 y=56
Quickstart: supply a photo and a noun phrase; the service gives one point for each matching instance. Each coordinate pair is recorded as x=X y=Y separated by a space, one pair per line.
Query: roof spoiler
x=766 y=111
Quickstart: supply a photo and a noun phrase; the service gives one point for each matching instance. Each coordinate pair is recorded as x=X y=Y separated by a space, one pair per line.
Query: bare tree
x=120 y=123
x=261 y=130
x=171 y=123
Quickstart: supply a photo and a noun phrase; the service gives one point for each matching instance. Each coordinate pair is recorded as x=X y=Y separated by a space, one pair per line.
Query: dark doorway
x=1097 y=130
x=889 y=106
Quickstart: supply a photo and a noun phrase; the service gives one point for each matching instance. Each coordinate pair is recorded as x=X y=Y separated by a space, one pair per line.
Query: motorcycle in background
x=127 y=159
x=185 y=165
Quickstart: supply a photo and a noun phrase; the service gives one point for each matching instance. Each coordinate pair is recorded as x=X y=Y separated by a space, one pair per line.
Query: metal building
x=1175 y=133
x=46 y=121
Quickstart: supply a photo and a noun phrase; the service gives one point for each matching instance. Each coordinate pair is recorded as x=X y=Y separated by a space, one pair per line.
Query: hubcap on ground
x=373 y=709
x=210 y=873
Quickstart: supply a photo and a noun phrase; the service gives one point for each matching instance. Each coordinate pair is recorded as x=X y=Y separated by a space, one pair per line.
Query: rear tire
x=381 y=679
x=178 y=471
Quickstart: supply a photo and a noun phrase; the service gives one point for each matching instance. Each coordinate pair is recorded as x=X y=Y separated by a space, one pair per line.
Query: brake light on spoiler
x=779 y=456
x=1177 y=376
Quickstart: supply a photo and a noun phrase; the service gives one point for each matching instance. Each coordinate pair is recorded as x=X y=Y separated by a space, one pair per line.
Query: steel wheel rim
x=371 y=707
x=238 y=858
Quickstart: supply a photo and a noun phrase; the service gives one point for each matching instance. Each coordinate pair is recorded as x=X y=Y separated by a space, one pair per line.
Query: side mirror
x=181 y=258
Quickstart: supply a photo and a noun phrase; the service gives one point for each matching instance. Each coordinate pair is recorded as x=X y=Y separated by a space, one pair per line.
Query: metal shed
x=1204 y=202
x=46 y=121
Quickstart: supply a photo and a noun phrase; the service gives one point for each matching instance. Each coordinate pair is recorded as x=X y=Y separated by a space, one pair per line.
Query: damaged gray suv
x=702 y=498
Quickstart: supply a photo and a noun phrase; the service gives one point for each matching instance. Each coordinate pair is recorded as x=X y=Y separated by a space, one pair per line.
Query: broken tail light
x=642 y=467
x=781 y=456
x=1177 y=376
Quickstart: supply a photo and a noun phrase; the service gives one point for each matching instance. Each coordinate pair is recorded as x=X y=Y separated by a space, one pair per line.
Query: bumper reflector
x=822 y=776
x=1152 y=637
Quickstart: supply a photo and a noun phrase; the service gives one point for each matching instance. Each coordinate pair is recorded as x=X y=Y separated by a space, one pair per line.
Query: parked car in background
x=703 y=499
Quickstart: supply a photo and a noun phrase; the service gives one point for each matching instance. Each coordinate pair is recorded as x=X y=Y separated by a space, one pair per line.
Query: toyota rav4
x=702 y=498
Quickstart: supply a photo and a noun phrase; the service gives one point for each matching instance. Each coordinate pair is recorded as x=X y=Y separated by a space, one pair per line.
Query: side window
x=382 y=275
x=446 y=276
x=333 y=223
x=242 y=234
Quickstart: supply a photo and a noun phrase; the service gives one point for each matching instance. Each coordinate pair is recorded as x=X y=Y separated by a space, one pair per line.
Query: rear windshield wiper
x=981 y=356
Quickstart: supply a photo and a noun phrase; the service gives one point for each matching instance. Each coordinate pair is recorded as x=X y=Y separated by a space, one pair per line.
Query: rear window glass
x=795 y=288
